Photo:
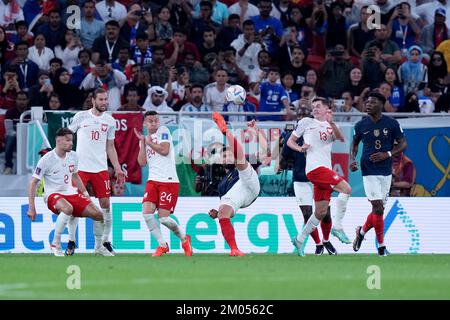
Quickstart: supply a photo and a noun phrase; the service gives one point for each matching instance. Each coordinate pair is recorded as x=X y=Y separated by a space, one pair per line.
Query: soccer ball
x=236 y=94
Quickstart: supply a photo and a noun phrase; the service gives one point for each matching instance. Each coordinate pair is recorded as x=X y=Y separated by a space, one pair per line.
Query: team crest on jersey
x=164 y=136
x=104 y=127
x=330 y=130
x=71 y=168
x=376 y=132
x=37 y=171
x=336 y=177
x=385 y=131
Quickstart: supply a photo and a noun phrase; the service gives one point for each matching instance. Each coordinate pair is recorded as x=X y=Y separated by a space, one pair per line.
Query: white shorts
x=244 y=192
x=303 y=193
x=377 y=187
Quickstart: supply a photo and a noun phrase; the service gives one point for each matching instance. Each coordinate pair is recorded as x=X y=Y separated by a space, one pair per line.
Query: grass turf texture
x=218 y=276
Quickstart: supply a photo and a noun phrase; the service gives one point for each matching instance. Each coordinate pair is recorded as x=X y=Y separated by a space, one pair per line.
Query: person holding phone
x=40 y=93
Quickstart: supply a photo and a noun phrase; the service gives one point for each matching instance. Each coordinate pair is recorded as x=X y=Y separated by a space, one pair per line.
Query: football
x=236 y=94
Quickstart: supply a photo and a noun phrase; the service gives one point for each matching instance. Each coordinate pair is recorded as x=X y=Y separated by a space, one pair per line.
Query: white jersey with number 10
x=319 y=135
x=161 y=168
x=92 y=135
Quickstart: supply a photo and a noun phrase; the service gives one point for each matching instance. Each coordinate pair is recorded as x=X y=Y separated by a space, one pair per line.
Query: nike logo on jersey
x=55 y=172
x=366 y=132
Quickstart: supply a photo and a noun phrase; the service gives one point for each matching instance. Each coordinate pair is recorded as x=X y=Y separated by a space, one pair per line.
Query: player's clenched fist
x=213 y=213
x=31 y=213
x=354 y=166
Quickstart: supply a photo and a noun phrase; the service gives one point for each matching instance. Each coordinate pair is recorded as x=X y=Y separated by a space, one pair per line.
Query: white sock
x=154 y=229
x=341 y=208
x=72 y=226
x=310 y=225
x=107 y=220
x=60 y=225
x=361 y=232
x=98 y=233
x=172 y=225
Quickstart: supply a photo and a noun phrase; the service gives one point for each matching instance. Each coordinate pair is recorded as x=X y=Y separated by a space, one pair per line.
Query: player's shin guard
x=98 y=233
x=172 y=225
x=72 y=226
x=315 y=236
x=378 y=224
x=309 y=227
x=368 y=225
x=154 y=229
x=228 y=232
x=107 y=220
x=60 y=225
x=341 y=208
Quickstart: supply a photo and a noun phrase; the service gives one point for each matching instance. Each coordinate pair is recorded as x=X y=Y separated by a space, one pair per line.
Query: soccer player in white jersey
x=95 y=143
x=319 y=134
x=59 y=168
x=161 y=192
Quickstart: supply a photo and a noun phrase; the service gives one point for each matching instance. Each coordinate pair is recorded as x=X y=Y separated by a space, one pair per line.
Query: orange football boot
x=160 y=251
x=187 y=247
x=220 y=121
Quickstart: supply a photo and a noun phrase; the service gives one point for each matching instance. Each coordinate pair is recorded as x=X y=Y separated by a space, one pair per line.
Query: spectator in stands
x=196 y=104
x=403 y=176
x=70 y=96
x=111 y=10
x=413 y=73
x=159 y=68
x=107 y=48
x=55 y=65
x=177 y=87
x=287 y=80
x=264 y=60
x=26 y=69
x=269 y=28
x=132 y=100
x=434 y=33
x=356 y=86
x=245 y=107
x=139 y=81
x=209 y=49
x=312 y=78
x=40 y=54
x=390 y=52
x=373 y=67
x=307 y=93
x=176 y=50
x=403 y=28
x=21 y=105
x=136 y=22
x=53 y=31
x=219 y=12
x=214 y=93
x=287 y=44
x=299 y=22
x=235 y=74
x=273 y=96
x=318 y=26
x=197 y=73
x=10 y=13
x=156 y=101
x=230 y=32
x=253 y=94
x=123 y=62
x=91 y=28
x=142 y=54
x=105 y=77
x=69 y=49
x=54 y=102
x=411 y=103
x=243 y=9
x=80 y=71
x=163 y=28
x=298 y=67
x=346 y=104
x=386 y=90
x=37 y=12
x=438 y=80
x=336 y=27
x=360 y=34
x=281 y=10
x=397 y=94
x=22 y=33
x=180 y=13
x=202 y=23
x=40 y=93
x=9 y=88
x=334 y=73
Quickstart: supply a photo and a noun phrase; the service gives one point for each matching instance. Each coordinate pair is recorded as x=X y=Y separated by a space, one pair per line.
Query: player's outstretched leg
x=325 y=225
x=341 y=208
x=225 y=213
x=307 y=212
x=72 y=227
x=361 y=232
x=166 y=220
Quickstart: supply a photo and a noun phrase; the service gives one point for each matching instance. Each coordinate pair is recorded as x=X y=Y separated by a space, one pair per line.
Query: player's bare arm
x=112 y=155
x=292 y=143
x=79 y=184
x=162 y=148
x=353 y=153
x=142 y=159
x=380 y=156
x=31 y=197
x=337 y=133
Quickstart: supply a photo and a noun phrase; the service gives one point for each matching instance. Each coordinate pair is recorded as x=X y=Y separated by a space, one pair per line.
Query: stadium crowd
x=172 y=55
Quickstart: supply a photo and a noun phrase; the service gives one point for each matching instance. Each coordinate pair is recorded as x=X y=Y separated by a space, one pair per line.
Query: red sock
x=378 y=224
x=369 y=223
x=315 y=236
x=228 y=232
x=238 y=151
x=326 y=229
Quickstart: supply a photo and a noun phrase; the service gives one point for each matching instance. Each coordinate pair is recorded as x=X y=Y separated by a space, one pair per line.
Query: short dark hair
x=97 y=92
x=20 y=23
x=197 y=85
x=61 y=132
x=132 y=88
x=377 y=95
x=142 y=36
x=22 y=93
x=150 y=113
x=53 y=11
x=204 y=3
x=324 y=101
x=208 y=29
x=233 y=16
x=274 y=69
x=88 y=1
x=248 y=22
x=54 y=95
x=113 y=23
x=157 y=48
x=179 y=30
x=85 y=51
x=22 y=43
x=57 y=60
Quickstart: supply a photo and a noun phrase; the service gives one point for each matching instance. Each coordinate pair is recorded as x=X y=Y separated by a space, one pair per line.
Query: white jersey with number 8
x=92 y=135
x=319 y=135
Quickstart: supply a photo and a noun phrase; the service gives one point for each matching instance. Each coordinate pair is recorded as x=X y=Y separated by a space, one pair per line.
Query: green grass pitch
x=218 y=276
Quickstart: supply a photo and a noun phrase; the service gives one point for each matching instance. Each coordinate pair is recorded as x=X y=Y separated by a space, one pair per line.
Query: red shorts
x=324 y=180
x=78 y=201
x=163 y=194
x=100 y=182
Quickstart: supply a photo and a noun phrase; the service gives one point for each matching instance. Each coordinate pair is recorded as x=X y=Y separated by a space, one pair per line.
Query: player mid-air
x=240 y=187
x=162 y=189
x=59 y=168
x=382 y=139
x=319 y=134
x=95 y=143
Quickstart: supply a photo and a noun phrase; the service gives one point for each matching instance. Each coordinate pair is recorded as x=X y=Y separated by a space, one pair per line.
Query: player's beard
x=99 y=110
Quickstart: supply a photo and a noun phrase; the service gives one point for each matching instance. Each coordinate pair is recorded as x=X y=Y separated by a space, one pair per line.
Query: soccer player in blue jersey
x=382 y=139
x=240 y=187
x=274 y=97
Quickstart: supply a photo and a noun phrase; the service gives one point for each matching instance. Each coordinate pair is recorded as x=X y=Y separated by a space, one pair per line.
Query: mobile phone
x=339 y=103
x=47 y=82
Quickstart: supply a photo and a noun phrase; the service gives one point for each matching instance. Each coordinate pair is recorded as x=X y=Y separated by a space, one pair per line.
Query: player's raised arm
x=31 y=197
x=337 y=133
x=142 y=158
